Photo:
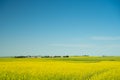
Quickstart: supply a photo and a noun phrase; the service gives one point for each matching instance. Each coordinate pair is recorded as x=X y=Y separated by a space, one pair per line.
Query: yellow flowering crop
x=59 y=70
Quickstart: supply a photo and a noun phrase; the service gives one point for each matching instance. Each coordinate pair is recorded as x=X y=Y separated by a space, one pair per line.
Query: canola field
x=60 y=69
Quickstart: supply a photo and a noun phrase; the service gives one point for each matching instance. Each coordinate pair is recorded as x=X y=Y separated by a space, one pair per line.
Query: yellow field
x=59 y=70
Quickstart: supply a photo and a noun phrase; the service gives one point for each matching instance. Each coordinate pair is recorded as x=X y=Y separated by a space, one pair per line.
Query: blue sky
x=59 y=27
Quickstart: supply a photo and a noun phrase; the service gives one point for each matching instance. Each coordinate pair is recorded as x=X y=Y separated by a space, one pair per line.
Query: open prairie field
x=72 y=68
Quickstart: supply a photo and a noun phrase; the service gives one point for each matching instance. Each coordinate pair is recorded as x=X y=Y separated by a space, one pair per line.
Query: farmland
x=72 y=68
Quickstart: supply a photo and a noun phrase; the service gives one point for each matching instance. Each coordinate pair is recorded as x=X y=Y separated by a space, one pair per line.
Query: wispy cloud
x=74 y=45
x=112 y=46
x=104 y=38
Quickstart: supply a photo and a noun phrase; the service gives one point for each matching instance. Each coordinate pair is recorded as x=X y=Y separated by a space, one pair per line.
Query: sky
x=59 y=27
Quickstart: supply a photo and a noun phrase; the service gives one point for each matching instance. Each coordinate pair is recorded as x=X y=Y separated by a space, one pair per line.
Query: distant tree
x=103 y=56
x=86 y=55
x=45 y=56
x=56 y=56
x=65 y=56
x=20 y=56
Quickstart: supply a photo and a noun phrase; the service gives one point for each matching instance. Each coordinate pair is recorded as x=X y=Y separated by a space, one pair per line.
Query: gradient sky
x=59 y=27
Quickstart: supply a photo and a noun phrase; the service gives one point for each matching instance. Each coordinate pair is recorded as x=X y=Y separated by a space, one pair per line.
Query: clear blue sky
x=59 y=27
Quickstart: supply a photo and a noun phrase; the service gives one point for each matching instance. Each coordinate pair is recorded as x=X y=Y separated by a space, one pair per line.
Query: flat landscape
x=59 y=39
x=72 y=68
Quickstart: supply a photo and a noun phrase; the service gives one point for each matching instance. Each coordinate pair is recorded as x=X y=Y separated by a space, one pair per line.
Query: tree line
x=41 y=56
